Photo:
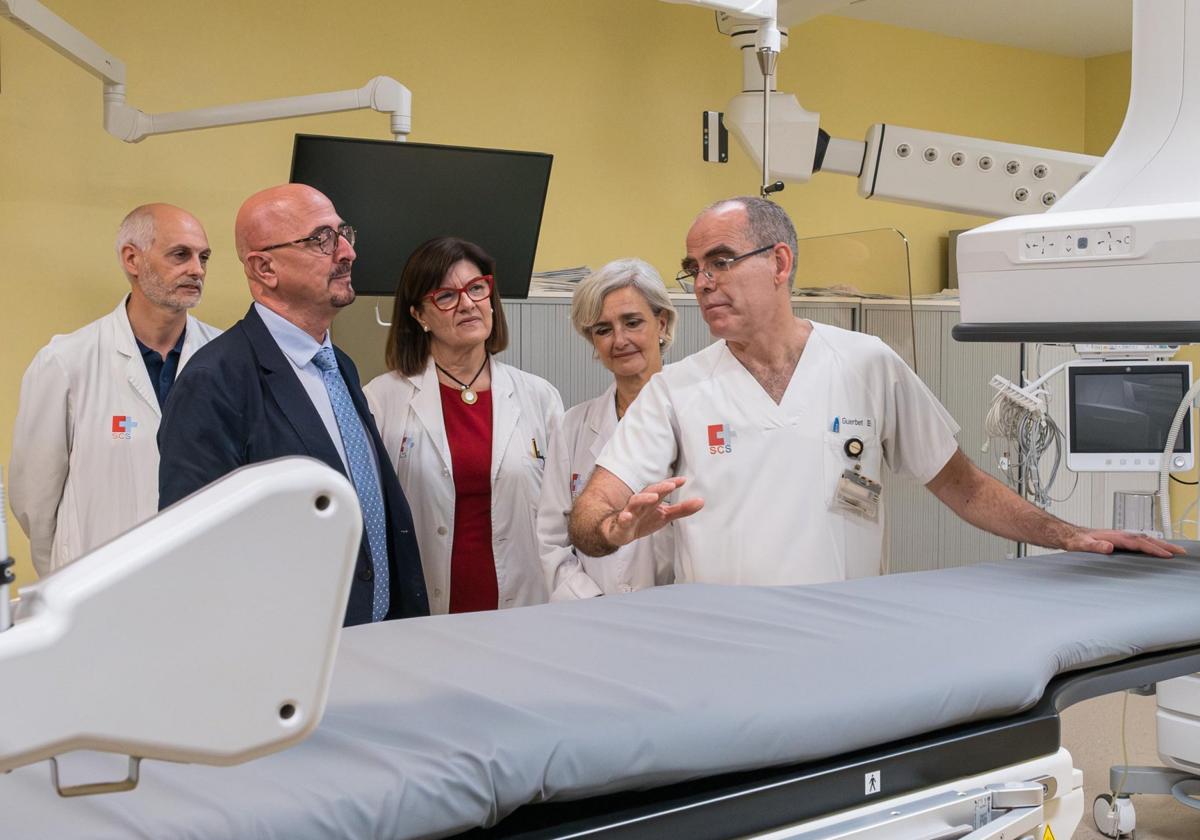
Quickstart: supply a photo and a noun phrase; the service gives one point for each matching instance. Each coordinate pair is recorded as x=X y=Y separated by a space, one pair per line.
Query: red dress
x=473 y=585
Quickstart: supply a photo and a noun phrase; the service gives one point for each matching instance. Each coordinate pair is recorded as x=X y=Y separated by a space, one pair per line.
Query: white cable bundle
x=1018 y=417
x=1029 y=398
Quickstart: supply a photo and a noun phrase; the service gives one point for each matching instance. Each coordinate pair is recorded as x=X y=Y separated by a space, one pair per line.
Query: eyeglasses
x=446 y=298
x=717 y=265
x=325 y=237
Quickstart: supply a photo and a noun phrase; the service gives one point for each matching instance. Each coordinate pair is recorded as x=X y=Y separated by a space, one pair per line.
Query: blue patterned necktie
x=358 y=458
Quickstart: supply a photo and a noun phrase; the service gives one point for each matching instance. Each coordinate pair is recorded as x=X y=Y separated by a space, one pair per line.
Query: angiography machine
x=1112 y=260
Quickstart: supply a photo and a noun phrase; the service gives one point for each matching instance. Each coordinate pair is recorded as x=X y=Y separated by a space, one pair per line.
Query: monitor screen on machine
x=1119 y=415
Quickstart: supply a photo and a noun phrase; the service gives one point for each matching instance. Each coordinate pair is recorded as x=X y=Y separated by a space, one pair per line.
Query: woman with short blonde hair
x=624 y=312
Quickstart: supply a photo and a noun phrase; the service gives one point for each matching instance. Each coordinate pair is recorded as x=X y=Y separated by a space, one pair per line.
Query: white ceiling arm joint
x=390 y=97
x=120 y=120
x=844 y=156
x=768 y=38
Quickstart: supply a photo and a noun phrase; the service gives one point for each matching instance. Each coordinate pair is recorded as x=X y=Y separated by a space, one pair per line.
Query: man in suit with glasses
x=275 y=385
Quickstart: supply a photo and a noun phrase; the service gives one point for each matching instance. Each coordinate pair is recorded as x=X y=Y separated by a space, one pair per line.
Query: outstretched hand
x=646 y=512
x=1106 y=542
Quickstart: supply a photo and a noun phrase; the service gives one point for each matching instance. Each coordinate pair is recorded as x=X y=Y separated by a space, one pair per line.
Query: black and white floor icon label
x=871 y=782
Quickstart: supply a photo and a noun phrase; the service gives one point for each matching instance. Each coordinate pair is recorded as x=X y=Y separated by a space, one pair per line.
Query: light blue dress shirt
x=298 y=348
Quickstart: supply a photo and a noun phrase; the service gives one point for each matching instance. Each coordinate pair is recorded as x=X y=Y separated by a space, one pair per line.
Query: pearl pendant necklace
x=466 y=394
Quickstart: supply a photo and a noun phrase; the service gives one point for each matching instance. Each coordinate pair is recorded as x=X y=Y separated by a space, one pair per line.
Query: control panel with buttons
x=1093 y=243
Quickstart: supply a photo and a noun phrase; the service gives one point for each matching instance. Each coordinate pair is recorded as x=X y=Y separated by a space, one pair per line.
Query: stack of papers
x=559 y=280
x=840 y=290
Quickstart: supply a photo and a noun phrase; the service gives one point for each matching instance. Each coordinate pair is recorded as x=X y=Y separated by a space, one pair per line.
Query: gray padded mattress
x=440 y=724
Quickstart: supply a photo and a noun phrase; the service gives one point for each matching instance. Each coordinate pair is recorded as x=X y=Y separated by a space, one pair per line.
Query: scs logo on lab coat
x=123 y=426
x=720 y=439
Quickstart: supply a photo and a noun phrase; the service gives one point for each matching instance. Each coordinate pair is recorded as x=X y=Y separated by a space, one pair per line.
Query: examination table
x=683 y=711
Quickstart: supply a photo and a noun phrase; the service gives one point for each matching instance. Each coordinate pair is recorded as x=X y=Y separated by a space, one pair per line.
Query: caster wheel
x=1111 y=820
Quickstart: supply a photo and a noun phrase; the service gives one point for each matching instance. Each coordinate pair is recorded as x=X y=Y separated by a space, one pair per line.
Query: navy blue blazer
x=238 y=401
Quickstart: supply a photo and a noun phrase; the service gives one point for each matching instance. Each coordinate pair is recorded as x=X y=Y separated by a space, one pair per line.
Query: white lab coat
x=769 y=473
x=408 y=412
x=575 y=443
x=80 y=475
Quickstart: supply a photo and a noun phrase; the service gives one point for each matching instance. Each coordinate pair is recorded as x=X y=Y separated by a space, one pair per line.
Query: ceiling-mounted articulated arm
x=127 y=123
x=382 y=94
x=894 y=163
x=768 y=43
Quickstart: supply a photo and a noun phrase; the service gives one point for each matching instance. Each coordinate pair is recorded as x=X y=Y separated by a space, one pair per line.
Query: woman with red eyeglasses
x=466 y=433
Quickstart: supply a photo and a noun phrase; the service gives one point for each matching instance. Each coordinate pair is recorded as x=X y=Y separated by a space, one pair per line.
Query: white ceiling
x=1079 y=28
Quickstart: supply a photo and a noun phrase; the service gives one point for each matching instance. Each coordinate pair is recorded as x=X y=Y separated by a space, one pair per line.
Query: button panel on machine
x=1094 y=243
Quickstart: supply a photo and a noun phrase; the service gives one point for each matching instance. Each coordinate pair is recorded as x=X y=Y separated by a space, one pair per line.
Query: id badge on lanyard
x=858 y=493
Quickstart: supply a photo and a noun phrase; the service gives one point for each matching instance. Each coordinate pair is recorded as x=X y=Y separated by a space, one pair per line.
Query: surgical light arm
x=207 y=634
x=381 y=93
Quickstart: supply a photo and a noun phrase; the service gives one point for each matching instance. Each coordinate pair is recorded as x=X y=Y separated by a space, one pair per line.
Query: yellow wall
x=613 y=88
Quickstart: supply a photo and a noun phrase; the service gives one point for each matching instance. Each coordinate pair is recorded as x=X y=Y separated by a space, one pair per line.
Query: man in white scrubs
x=84 y=458
x=782 y=428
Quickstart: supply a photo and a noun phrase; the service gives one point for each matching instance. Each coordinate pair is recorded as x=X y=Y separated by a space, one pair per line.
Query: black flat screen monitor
x=398 y=195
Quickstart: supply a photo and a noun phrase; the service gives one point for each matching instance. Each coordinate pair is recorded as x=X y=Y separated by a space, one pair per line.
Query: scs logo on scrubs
x=720 y=439
x=123 y=426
